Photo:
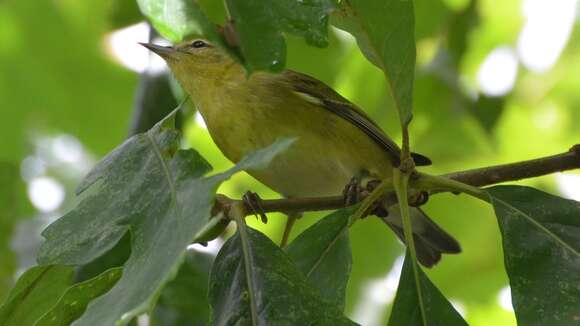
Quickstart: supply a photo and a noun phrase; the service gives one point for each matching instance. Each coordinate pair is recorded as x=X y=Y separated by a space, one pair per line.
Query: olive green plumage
x=336 y=141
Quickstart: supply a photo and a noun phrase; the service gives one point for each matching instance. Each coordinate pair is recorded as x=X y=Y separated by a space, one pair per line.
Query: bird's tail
x=430 y=240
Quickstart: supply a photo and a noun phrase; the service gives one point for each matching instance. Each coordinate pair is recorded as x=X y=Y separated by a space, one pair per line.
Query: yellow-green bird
x=336 y=140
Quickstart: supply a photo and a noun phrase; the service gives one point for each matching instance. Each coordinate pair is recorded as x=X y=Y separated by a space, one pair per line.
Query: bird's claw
x=253 y=202
x=352 y=192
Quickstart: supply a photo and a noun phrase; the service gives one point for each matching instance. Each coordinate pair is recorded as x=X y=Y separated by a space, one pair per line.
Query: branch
x=477 y=177
x=521 y=170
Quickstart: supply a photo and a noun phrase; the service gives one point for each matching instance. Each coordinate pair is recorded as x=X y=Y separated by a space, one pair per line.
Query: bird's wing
x=330 y=100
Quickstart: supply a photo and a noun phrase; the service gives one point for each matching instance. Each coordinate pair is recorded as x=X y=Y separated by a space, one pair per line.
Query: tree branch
x=521 y=170
x=477 y=177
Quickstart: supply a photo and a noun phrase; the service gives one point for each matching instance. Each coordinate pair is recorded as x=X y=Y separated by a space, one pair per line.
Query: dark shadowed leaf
x=406 y=311
x=184 y=300
x=153 y=101
x=259 y=25
x=177 y=19
x=385 y=32
x=541 y=242
x=36 y=291
x=253 y=282
x=148 y=186
x=323 y=254
x=115 y=257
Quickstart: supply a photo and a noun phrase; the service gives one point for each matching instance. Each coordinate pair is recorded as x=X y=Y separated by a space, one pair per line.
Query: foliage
x=121 y=250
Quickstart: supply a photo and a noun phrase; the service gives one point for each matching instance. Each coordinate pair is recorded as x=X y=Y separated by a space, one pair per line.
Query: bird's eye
x=198 y=44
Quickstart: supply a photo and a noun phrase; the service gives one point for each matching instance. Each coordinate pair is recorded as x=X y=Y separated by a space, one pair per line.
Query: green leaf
x=36 y=291
x=406 y=310
x=184 y=300
x=177 y=19
x=253 y=282
x=541 y=242
x=43 y=295
x=259 y=25
x=158 y=192
x=75 y=299
x=385 y=32
x=323 y=254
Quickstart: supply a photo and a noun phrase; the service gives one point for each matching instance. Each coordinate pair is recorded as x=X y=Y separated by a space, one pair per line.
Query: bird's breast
x=328 y=152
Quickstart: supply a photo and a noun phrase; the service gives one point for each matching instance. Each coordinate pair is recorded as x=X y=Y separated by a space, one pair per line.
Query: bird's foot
x=253 y=203
x=419 y=198
x=352 y=192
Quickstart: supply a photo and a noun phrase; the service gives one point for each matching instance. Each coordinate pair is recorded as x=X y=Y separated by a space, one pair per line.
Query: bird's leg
x=378 y=208
x=253 y=203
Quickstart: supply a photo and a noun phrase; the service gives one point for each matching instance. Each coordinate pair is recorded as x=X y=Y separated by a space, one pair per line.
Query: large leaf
x=159 y=193
x=385 y=32
x=323 y=254
x=44 y=295
x=406 y=309
x=541 y=242
x=36 y=291
x=259 y=25
x=75 y=299
x=253 y=282
x=177 y=19
x=184 y=300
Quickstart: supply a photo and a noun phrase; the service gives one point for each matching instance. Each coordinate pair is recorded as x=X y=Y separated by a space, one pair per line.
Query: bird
x=336 y=141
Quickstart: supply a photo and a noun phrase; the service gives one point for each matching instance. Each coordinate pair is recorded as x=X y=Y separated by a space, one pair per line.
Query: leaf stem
x=237 y=211
x=400 y=183
x=436 y=184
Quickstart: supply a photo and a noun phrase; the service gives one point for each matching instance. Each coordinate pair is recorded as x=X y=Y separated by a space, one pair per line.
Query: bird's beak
x=166 y=52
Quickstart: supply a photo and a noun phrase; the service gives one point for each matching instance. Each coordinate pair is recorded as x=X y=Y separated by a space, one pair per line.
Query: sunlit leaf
x=254 y=283
x=541 y=242
x=323 y=254
x=158 y=192
x=385 y=32
x=259 y=25
x=177 y=19
x=406 y=310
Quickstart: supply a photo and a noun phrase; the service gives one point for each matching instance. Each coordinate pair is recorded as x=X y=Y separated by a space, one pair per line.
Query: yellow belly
x=329 y=150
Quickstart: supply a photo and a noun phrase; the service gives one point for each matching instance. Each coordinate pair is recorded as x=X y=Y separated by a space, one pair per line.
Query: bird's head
x=198 y=64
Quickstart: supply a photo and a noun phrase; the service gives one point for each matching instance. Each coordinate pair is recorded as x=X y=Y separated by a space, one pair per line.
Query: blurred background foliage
x=495 y=82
